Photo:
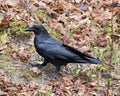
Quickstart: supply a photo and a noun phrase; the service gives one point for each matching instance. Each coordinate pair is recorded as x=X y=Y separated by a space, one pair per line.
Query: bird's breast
x=38 y=47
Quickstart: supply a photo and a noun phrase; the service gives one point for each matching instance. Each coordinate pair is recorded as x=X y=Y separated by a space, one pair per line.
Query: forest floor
x=82 y=24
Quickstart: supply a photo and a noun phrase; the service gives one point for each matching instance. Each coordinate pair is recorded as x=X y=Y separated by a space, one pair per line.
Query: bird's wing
x=75 y=51
x=82 y=57
x=56 y=50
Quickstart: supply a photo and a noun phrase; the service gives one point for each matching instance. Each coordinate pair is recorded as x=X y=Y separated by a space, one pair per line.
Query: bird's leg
x=40 y=65
x=44 y=63
x=57 y=69
x=56 y=75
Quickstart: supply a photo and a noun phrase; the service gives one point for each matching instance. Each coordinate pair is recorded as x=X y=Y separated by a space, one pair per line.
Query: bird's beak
x=29 y=29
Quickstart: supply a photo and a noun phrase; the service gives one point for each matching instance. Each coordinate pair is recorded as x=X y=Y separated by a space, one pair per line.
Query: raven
x=57 y=52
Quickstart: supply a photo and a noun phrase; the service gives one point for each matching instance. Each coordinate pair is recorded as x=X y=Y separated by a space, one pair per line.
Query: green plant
x=55 y=33
x=42 y=15
x=49 y=92
x=18 y=28
x=3 y=38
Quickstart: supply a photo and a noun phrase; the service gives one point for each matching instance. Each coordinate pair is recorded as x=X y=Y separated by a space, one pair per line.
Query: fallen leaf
x=36 y=93
x=35 y=70
x=22 y=94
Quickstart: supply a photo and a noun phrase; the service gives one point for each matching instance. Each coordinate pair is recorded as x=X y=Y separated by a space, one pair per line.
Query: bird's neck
x=41 y=37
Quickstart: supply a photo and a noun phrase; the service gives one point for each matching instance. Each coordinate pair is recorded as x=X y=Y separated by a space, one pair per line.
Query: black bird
x=57 y=52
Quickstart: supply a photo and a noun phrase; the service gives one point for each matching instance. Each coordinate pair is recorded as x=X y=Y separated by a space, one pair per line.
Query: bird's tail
x=82 y=58
x=87 y=59
x=93 y=60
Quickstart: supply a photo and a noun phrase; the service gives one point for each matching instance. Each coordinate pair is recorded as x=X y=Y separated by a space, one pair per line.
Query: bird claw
x=54 y=75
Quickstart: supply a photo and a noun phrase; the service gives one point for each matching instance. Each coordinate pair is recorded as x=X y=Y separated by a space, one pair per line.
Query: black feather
x=56 y=52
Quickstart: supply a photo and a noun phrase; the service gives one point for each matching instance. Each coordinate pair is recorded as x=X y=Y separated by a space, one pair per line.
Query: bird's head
x=37 y=29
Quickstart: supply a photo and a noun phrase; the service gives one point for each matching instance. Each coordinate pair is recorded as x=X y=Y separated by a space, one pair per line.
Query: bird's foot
x=54 y=76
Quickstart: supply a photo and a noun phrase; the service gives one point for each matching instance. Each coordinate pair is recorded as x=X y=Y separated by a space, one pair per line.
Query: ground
x=83 y=24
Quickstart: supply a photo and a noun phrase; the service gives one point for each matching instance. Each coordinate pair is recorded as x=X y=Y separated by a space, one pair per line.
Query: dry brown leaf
x=35 y=70
x=36 y=4
x=103 y=15
x=33 y=86
x=22 y=94
x=36 y=93
x=3 y=47
x=4 y=94
x=49 y=1
x=22 y=55
x=78 y=36
x=14 y=55
x=11 y=3
x=4 y=22
x=93 y=83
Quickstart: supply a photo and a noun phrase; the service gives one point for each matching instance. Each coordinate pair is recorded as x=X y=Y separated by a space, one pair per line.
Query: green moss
x=3 y=38
x=56 y=34
x=18 y=28
x=42 y=15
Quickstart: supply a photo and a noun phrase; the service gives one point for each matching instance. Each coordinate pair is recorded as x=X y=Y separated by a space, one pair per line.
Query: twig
x=111 y=55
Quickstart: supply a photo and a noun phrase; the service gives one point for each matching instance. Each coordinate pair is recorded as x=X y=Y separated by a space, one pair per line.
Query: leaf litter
x=79 y=23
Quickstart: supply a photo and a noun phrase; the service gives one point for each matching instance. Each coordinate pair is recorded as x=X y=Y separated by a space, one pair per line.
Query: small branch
x=111 y=55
